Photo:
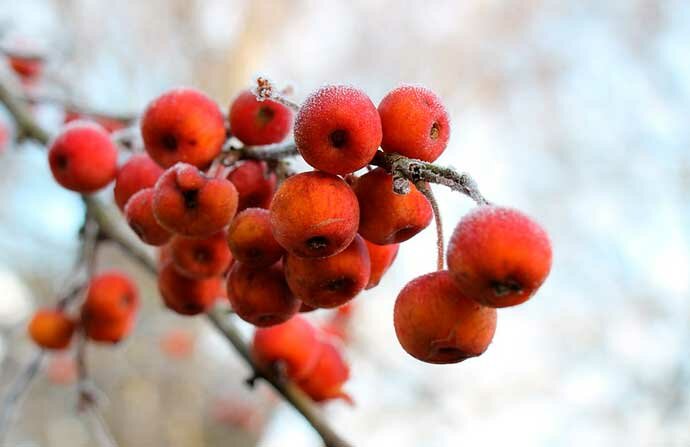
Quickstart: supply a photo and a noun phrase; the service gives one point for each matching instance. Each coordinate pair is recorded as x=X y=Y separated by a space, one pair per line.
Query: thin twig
x=16 y=392
x=425 y=189
x=265 y=90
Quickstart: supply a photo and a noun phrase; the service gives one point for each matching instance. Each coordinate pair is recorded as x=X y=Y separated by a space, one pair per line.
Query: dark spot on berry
x=191 y=198
x=505 y=287
x=317 y=242
x=404 y=233
x=339 y=284
x=338 y=138
x=169 y=142
x=267 y=320
x=435 y=131
x=265 y=115
x=201 y=255
x=62 y=162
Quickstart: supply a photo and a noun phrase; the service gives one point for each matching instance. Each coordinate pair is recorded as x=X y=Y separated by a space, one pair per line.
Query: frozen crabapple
x=183 y=125
x=82 y=157
x=109 y=310
x=187 y=296
x=332 y=281
x=436 y=322
x=255 y=122
x=261 y=296
x=255 y=184
x=199 y=258
x=386 y=217
x=189 y=203
x=499 y=256
x=381 y=257
x=251 y=241
x=27 y=67
x=338 y=129
x=415 y=123
x=314 y=214
x=139 y=216
x=326 y=380
x=139 y=172
x=294 y=343
x=51 y=328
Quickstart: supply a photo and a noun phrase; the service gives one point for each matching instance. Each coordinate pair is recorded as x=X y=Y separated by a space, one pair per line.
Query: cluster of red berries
x=107 y=314
x=317 y=239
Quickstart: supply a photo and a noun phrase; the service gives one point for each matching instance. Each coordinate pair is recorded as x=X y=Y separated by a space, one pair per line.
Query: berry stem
x=266 y=90
x=425 y=189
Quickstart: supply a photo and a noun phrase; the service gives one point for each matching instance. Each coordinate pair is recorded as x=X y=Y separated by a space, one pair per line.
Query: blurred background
x=574 y=111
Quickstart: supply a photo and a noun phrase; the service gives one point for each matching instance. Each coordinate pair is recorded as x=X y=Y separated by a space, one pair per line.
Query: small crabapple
x=255 y=122
x=82 y=158
x=199 y=258
x=137 y=173
x=51 y=329
x=499 y=256
x=314 y=214
x=326 y=380
x=436 y=322
x=251 y=241
x=255 y=185
x=338 y=129
x=187 y=296
x=381 y=257
x=109 y=310
x=139 y=216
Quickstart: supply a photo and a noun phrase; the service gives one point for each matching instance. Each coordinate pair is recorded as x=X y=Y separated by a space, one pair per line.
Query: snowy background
x=575 y=111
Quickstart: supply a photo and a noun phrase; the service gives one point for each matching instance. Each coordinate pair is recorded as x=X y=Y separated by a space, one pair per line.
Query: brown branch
x=17 y=390
x=425 y=189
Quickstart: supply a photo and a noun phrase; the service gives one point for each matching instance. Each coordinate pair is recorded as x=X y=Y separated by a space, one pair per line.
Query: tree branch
x=425 y=189
x=16 y=392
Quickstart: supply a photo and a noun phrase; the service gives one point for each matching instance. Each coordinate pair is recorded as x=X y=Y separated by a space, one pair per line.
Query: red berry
x=255 y=185
x=51 y=329
x=251 y=241
x=183 y=125
x=28 y=68
x=437 y=323
x=139 y=215
x=326 y=380
x=338 y=129
x=261 y=296
x=314 y=214
x=293 y=342
x=499 y=256
x=82 y=157
x=187 y=296
x=387 y=217
x=137 y=173
x=199 y=258
x=189 y=203
x=256 y=122
x=381 y=257
x=329 y=282
x=109 y=310
x=415 y=123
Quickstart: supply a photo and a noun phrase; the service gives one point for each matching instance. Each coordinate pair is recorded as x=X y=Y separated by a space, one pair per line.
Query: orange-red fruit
x=294 y=342
x=82 y=158
x=386 y=217
x=51 y=329
x=183 y=125
x=437 y=323
x=329 y=282
x=110 y=307
x=199 y=258
x=314 y=214
x=326 y=380
x=338 y=129
x=415 y=123
x=255 y=185
x=261 y=296
x=139 y=216
x=251 y=241
x=189 y=203
x=27 y=68
x=139 y=172
x=499 y=256
x=187 y=296
x=256 y=122
x=381 y=257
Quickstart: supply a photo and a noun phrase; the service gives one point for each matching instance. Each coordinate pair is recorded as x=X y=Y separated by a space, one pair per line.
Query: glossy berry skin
x=183 y=125
x=436 y=323
x=294 y=342
x=187 y=296
x=386 y=217
x=139 y=172
x=82 y=158
x=499 y=256
x=139 y=216
x=51 y=329
x=261 y=296
x=381 y=257
x=199 y=258
x=314 y=214
x=415 y=123
x=189 y=203
x=256 y=122
x=329 y=282
x=326 y=380
x=338 y=129
x=255 y=185
x=109 y=310
x=251 y=240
